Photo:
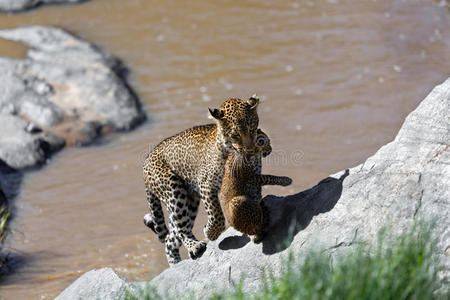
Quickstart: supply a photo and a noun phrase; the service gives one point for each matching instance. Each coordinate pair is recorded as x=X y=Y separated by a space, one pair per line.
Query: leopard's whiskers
x=236 y=164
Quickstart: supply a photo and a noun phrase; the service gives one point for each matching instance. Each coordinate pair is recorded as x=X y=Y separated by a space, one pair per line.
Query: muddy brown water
x=336 y=78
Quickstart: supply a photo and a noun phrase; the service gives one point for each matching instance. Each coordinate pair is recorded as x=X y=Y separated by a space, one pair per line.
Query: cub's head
x=237 y=121
x=262 y=143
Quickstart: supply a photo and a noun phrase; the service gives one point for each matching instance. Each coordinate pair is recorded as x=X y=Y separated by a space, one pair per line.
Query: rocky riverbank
x=65 y=92
x=405 y=180
x=15 y=6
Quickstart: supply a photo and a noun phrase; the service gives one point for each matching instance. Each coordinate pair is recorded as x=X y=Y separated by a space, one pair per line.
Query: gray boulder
x=406 y=179
x=22 y=5
x=65 y=88
x=97 y=284
x=21 y=147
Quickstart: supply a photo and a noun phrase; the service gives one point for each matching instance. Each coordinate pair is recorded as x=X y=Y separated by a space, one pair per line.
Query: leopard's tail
x=155 y=218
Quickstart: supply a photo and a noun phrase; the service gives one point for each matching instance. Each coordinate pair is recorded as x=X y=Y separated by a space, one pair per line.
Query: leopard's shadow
x=291 y=214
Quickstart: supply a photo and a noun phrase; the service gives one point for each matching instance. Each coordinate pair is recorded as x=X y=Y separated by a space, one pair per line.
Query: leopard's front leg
x=216 y=220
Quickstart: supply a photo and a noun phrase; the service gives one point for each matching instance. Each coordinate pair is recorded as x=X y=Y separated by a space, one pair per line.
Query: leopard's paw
x=198 y=250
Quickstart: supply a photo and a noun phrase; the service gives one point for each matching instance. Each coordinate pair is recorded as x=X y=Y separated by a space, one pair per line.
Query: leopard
x=188 y=167
x=240 y=195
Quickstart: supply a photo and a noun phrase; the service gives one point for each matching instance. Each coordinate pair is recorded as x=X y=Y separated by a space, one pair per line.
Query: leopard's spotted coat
x=189 y=166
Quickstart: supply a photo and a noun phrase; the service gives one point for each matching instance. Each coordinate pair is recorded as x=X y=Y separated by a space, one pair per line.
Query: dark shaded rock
x=52 y=142
x=3 y=200
x=91 y=130
x=10 y=180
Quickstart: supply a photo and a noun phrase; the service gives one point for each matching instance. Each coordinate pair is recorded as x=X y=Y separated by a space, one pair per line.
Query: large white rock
x=406 y=179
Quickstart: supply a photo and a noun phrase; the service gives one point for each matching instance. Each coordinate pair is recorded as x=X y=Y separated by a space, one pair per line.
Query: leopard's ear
x=253 y=101
x=216 y=113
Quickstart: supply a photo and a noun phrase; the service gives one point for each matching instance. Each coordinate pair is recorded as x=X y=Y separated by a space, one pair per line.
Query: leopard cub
x=240 y=195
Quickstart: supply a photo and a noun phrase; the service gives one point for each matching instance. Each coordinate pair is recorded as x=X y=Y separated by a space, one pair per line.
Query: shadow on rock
x=234 y=242
x=10 y=180
x=290 y=214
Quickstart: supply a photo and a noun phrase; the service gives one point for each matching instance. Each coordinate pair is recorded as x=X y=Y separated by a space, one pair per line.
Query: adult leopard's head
x=237 y=121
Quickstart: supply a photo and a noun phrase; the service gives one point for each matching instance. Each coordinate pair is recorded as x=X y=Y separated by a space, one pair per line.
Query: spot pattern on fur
x=188 y=167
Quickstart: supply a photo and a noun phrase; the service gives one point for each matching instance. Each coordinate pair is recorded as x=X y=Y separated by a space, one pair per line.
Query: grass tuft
x=401 y=268
x=4 y=215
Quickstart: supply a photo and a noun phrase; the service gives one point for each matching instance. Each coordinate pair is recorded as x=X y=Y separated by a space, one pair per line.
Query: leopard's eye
x=260 y=142
x=235 y=136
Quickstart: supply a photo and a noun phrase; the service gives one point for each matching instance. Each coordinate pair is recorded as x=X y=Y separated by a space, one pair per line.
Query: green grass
x=403 y=267
x=4 y=215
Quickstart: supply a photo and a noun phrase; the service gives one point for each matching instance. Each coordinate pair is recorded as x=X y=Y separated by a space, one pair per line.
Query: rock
x=97 y=284
x=3 y=200
x=67 y=88
x=10 y=180
x=22 y=5
x=20 y=148
x=405 y=180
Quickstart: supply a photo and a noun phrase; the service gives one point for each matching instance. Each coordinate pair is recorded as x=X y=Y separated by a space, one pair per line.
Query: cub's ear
x=253 y=101
x=216 y=113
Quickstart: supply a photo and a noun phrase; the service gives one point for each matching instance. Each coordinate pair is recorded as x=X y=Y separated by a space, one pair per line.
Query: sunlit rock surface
x=111 y=286
x=405 y=180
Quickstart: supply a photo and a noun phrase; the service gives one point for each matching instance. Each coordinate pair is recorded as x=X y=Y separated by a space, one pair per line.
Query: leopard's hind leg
x=197 y=249
x=155 y=218
x=172 y=244
x=183 y=235
x=177 y=201
x=265 y=223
